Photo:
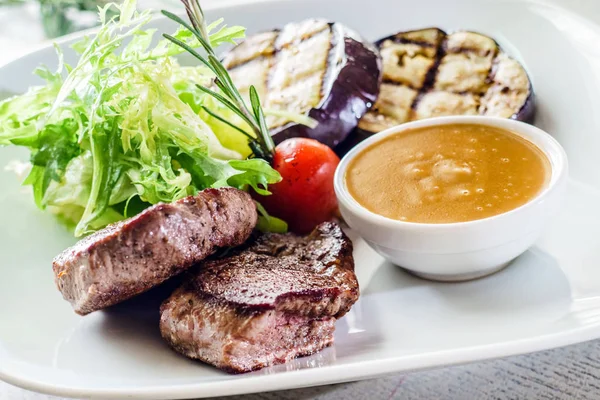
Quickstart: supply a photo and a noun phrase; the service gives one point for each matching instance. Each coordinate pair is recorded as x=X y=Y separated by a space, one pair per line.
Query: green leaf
x=36 y=180
x=226 y=102
x=190 y=50
x=187 y=26
x=256 y=108
x=255 y=172
x=223 y=120
x=127 y=11
x=139 y=45
x=224 y=34
x=106 y=173
x=127 y=127
x=268 y=223
x=52 y=149
x=80 y=46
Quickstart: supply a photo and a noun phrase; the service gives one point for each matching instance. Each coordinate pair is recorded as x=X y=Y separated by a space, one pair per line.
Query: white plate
x=550 y=297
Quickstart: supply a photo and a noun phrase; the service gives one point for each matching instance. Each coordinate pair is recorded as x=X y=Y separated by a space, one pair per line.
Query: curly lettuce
x=124 y=127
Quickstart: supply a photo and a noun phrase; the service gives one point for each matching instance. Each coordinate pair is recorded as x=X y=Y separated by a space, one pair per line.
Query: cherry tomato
x=305 y=196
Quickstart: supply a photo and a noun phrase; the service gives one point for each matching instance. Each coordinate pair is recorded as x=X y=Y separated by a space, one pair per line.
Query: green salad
x=127 y=127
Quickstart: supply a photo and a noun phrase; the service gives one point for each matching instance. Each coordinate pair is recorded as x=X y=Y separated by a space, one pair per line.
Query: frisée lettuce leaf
x=124 y=128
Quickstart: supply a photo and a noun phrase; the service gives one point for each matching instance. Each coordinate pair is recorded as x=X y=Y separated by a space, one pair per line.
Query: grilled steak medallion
x=133 y=255
x=236 y=340
x=275 y=300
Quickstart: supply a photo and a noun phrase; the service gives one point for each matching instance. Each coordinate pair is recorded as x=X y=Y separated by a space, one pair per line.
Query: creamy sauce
x=444 y=174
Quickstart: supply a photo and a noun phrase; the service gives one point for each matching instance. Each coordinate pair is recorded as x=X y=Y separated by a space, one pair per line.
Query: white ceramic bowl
x=462 y=250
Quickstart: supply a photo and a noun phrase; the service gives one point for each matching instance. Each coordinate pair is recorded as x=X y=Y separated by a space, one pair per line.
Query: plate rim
x=322 y=375
x=291 y=379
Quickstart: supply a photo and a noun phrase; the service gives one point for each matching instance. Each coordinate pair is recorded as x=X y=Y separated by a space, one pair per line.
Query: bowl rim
x=551 y=148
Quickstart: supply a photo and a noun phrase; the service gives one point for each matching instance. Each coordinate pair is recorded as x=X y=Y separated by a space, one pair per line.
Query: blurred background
x=26 y=23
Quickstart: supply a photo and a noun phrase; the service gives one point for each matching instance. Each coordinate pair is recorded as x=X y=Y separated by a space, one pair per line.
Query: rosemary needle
x=262 y=145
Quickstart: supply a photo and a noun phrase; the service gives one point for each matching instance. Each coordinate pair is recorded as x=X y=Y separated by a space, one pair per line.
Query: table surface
x=569 y=373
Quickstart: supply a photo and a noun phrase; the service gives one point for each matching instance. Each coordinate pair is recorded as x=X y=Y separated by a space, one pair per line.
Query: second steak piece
x=131 y=256
x=276 y=300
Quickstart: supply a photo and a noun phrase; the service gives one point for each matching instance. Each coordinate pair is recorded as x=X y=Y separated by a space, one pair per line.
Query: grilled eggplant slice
x=428 y=73
x=314 y=67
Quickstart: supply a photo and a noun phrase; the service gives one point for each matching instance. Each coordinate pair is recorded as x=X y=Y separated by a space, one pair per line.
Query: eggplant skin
x=463 y=72
x=527 y=112
x=352 y=94
x=337 y=81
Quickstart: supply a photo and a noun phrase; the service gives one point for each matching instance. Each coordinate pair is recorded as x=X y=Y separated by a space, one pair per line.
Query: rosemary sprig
x=262 y=145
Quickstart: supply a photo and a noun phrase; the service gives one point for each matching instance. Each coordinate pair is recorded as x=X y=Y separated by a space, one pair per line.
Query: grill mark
x=273 y=65
x=276 y=49
x=334 y=41
x=409 y=41
x=432 y=73
x=396 y=83
x=269 y=75
x=489 y=80
x=401 y=40
x=272 y=59
x=303 y=40
x=259 y=58
x=470 y=50
x=430 y=77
